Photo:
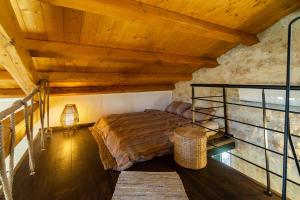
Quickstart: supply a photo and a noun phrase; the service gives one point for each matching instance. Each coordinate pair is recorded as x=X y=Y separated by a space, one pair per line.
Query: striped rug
x=149 y=186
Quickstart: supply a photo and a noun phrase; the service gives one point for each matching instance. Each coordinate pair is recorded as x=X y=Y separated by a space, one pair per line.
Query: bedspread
x=124 y=139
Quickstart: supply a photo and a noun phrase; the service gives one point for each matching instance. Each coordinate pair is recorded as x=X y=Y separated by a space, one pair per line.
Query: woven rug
x=149 y=186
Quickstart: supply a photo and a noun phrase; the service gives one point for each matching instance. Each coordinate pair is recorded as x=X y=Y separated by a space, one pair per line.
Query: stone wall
x=263 y=63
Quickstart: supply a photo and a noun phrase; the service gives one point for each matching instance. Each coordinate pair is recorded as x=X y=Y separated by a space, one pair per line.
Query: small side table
x=190 y=147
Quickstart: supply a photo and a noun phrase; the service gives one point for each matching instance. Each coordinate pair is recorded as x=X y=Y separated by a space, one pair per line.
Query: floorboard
x=70 y=169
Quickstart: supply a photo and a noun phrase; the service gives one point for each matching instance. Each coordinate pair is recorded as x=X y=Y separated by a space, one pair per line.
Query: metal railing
x=226 y=119
x=288 y=137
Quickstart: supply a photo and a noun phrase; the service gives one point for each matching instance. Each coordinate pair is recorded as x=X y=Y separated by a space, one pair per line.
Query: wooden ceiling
x=127 y=45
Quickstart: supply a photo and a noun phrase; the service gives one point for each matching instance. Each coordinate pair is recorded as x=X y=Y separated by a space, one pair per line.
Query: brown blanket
x=134 y=137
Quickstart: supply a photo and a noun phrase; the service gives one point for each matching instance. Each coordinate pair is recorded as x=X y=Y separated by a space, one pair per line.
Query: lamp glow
x=69 y=117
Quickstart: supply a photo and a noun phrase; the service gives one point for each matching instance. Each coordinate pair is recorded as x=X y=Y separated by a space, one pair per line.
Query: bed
x=124 y=139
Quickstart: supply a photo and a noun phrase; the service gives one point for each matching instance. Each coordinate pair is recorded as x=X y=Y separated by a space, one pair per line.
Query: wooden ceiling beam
x=7 y=81
x=11 y=93
x=13 y=56
x=65 y=91
x=4 y=75
x=155 y=16
x=39 y=48
x=123 y=68
x=107 y=90
x=108 y=79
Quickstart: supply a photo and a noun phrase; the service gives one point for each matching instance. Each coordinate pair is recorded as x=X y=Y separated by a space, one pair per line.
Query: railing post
x=42 y=113
x=268 y=192
x=7 y=190
x=225 y=111
x=287 y=112
x=193 y=105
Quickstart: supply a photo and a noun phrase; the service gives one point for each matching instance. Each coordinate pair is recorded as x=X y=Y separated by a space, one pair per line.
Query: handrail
x=268 y=87
x=5 y=113
x=246 y=105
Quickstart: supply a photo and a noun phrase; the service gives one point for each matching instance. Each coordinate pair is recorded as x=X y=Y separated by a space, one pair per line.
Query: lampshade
x=69 y=116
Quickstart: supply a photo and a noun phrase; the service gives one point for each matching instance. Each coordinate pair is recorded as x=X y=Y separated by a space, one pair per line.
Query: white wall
x=92 y=107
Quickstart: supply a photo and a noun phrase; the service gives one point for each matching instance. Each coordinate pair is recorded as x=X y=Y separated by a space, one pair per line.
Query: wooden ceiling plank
x=54 y=25
x=95 y=29
x=156 y=16
x=107 y=90
x=19 y=17
x=53 y=19
x=72 y=25
x=73 y=51
x=14 y=56
x=33 y=19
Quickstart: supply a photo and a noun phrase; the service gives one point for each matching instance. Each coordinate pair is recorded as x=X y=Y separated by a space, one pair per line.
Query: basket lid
x=190 y=132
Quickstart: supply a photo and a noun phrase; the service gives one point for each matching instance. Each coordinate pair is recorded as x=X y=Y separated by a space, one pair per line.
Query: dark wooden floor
x=70 y=169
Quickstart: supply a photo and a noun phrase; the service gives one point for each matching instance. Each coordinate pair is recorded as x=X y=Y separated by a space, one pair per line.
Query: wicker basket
x=190 y=147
